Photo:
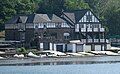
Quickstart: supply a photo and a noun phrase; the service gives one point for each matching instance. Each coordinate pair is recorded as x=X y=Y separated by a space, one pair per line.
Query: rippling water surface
x=85 y=65
x=105 y=68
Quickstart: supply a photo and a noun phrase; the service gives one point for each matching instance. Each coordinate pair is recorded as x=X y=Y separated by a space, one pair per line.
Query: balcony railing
x=102 y=29
x=94 y=30
x=52 y=39
x=94 y=41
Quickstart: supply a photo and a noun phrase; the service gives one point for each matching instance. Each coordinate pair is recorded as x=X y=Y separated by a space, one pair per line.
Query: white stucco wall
x=41 y=45
x=74 y=47
x=108 y=46
x=79 y=48
x=51 y=46
x=97 y=47
x=87 y=48
x=54 y=46
x=69 y=47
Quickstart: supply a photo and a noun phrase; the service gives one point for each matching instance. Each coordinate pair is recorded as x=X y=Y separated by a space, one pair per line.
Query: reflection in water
x=103 y=68
x=85 y=65
x=61 y=63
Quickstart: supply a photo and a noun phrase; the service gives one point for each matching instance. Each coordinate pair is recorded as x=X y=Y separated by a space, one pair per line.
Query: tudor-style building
x=73 y=31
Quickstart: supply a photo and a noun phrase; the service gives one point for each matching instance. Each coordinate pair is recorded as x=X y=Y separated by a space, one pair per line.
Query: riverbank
x=60 y=60
x=55 y=57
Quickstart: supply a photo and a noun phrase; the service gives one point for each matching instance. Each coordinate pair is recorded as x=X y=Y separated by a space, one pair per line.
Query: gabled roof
x=38 y=18
x=18 y=19
x=76 y=15
x=23 y=19
x=35 y=18
x=79 y=14
x=71 y=17
x=55 y=18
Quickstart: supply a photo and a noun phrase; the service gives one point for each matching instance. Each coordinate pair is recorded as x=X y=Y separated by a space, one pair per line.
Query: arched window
x=66 y=35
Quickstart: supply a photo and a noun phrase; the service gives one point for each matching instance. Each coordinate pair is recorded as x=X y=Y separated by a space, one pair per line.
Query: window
x=45 y=27
x=21 y=26
x=87 y=25
x=91 y=26
x=58 y=25
x=22 y=36
x=89 y=18
x=66 y=35
x=36 y=26
x=95 y=25
x=81 y=25
x=45 y=34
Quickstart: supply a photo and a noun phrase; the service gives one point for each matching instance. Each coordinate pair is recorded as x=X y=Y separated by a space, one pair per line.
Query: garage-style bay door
x=59 y=48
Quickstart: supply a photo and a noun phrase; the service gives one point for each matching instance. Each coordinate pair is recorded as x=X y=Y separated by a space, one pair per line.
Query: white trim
x=74 y=48
x=51 y=45
x=94 y=19
x=55 y=47
x=41 y=45
x=77 y=28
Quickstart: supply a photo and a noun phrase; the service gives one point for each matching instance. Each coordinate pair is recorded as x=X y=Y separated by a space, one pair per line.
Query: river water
x=101 y=65
x=104 y=68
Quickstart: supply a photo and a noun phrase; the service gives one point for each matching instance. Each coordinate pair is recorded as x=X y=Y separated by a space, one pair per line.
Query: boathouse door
x=59 y=48
x=46 y=46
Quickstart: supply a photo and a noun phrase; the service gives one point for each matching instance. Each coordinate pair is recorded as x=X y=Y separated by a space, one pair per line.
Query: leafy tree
x=50 y=6
x=8 y=8
x=25 y=6
x=6 y=11
x=21 y=50
x=76 y=4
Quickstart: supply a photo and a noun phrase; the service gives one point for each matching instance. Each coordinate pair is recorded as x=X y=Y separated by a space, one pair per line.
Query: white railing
x=90 y=40
x=102 y=29
x=89 y=29
x=83 y=29
x=94 y=30
x=95 y=41
x=102 y=40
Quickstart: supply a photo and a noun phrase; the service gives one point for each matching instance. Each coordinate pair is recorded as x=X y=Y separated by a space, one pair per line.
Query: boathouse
x=73 y=31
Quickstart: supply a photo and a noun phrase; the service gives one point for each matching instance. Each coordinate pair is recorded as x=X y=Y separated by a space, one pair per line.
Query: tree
x=76 y=4
x=51 y=6
x=25 y=6
x=8 y=8
x=6 y=11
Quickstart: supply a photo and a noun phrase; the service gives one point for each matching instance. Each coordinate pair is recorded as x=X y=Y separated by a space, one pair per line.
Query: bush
x=21 y=50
